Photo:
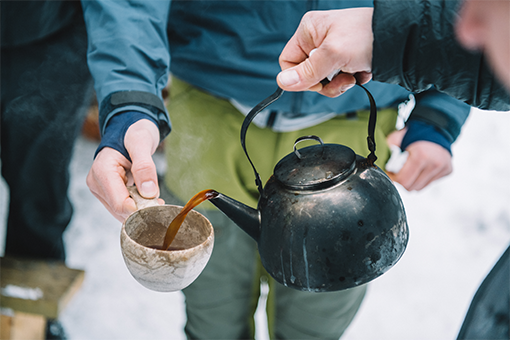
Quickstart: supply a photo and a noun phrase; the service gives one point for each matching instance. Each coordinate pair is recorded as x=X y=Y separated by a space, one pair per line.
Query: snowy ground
x=459 y=227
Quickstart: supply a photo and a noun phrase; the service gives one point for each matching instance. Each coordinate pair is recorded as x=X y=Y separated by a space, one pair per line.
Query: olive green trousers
x=204 y=152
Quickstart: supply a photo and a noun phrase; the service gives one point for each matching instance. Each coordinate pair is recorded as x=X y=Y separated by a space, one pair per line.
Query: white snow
x=459 y=226
x=25 y=293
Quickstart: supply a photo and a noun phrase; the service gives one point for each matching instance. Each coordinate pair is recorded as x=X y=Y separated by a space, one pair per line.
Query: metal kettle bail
x=371 y=158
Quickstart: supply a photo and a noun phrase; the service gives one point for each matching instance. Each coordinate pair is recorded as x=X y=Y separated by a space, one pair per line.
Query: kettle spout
x=247 y=218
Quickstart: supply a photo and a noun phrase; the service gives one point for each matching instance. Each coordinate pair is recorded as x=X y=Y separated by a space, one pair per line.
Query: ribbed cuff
x=417 y=131
x=116 y=129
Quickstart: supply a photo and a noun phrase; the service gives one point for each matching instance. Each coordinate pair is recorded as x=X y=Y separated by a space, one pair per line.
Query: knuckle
x=143 y=166
x=89 y=181
x=308 y=69
x=308 y=23
x=118 y=209
x=448 y=170
x=406 y=185
x=331 y=92
x=335 y=49
x=435 y=163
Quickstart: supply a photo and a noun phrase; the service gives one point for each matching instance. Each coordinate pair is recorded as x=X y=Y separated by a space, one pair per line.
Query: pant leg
x=220 y=304
x=308 y=315
x=46 y=86
x=203 y=152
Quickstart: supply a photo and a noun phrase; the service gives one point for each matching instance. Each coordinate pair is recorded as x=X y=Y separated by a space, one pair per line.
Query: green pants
x=204 y=152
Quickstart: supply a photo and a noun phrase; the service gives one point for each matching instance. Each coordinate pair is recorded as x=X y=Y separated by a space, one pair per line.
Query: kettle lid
x=316 y=166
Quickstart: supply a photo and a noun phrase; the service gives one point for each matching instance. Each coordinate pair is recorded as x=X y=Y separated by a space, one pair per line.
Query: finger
x=141 y=141
x=428 y=175
x=431 y=160
x=305 y=39
x=119 y=215
x=424 y=178
x=396 y=137
x=338 y=85
x=417 y=174
x=309 y=72
x=106 y=180
x=294 y=52
x=408 y=174
x=316 y=88
x=145 y=175
x=363 y=77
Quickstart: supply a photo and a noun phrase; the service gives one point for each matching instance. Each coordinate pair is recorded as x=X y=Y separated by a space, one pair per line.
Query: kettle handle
x=371 y=158
x=248 y=119
x=372 y=120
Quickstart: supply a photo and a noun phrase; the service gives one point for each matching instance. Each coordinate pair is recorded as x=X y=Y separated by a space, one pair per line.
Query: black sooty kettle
x=327 y=219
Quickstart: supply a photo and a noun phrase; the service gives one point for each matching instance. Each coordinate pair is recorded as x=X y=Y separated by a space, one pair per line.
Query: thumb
x=308 y=73
x=396 y=137
x=141 y=140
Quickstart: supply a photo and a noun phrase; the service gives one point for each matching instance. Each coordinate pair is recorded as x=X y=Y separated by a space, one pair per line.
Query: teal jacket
x=227 y=48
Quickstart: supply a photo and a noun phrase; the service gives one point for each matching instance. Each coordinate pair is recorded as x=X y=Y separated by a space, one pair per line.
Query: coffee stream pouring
x=327 y=219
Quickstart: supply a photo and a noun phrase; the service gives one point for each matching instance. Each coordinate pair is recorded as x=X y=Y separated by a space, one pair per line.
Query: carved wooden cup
x=142 y=238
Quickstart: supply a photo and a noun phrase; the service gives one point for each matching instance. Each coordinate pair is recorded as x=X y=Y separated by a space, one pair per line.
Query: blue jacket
x=229 y=49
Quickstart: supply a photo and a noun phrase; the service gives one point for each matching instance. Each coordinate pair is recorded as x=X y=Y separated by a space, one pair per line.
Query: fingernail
x=346 y=87
x=288 y=78
x=148 y=189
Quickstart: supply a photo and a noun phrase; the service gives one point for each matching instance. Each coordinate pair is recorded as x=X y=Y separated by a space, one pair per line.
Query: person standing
x=222 y=57
x=460 y=47
x=46 y=87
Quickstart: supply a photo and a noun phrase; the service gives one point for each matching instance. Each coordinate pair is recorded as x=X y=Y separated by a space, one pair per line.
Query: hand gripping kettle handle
x=371 y=158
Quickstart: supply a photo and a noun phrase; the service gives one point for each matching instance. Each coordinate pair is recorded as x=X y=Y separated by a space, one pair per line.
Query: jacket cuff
x=144 y=102
x=436 y=119
x=116 y=129
x=417 y=130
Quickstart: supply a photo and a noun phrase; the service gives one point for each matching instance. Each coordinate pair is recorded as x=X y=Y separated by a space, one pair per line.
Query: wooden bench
x=32 y=291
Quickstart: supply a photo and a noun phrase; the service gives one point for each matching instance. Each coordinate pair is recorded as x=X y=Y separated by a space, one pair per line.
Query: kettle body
x=333 y=238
